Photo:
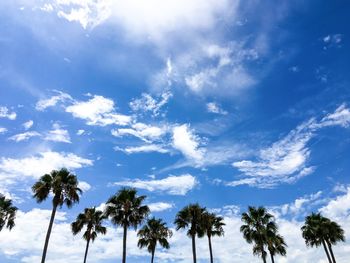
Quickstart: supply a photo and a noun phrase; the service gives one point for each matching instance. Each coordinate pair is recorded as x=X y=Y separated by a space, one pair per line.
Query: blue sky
x=227 y=103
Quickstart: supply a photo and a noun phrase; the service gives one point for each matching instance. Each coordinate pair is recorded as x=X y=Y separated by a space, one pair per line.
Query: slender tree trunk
x=124 y=243
x=331 y=251
x=53 y=213
x=264 y=255
x=87 y=249
x=194 y=248
x=210 y=250
x=325 y=249
x=153 y=250
x=272 y=258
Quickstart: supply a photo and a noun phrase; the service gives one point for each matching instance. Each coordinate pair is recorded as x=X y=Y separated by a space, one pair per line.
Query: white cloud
x=5 y=113
x=340 y=117
x=285 y=160
x=143 y=149
x=58 y=134
x=160 y=206
x=80 y=132
x=39 y=164
x=339 y=207
x=98 y=111
x=27 y=125
x=173 y=185
x=187 y=142
x=24 y=136
x=334 y=40
x=51 y=102
x=147 y=103
x=143 y=131
x=213 y=107
x=84 y=186
x=2 y=130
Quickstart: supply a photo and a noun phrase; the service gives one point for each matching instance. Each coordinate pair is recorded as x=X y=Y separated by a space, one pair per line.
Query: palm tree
x=92 y=218
x=7 y=213
x=334 y=233
x=191 y=217
x=64 y=187
x=125 y=209
x=155 y=231
x=257 y=220
x=319 y=230
x=212 y=225
x=314 y=233
x=276 y=245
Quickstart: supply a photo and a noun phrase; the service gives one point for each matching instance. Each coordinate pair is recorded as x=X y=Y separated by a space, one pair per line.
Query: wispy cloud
x=173 y=185
x=147 y=148
x=6 y=113
x=43 y=104
x=27 y=125
x=213 y=107
x=24 y=136
x=286 y=160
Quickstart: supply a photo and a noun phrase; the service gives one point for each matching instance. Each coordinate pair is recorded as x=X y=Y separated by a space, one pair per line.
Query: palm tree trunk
x=325 y=249
x=53 y=213
x=272 y=259
x=263 y=254
x=86 y=250
x=210 y=250
x=124 y=242
x=194 y=248
x=153 y=250
x=331 y=251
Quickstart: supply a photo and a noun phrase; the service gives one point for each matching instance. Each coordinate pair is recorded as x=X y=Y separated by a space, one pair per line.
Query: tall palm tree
x=190 y=217
x=63 y=185
x=125 y=209
x=334 y=233
x=276 y=245
x=319 y=230
x=255 y=229
x=7 y=213
x=212 y=225
x=314 y=233
x=93 y=219
x=155 y=231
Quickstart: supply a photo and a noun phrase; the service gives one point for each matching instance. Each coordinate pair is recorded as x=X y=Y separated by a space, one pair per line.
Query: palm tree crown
x=62 y=184
x=125 y=208
x=155 y=231
x=7 y=213
x=92 y=219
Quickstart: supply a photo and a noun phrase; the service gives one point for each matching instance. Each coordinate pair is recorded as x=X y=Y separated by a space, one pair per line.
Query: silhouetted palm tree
x=125 y=209
x=64 y=187
x=190 y=217
x=155 y=231
x=7 y=213
x=212 y=225
x=319 y=230
x=255 y=229
x=276 y=245
x=92 y=219
x=334 y=233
